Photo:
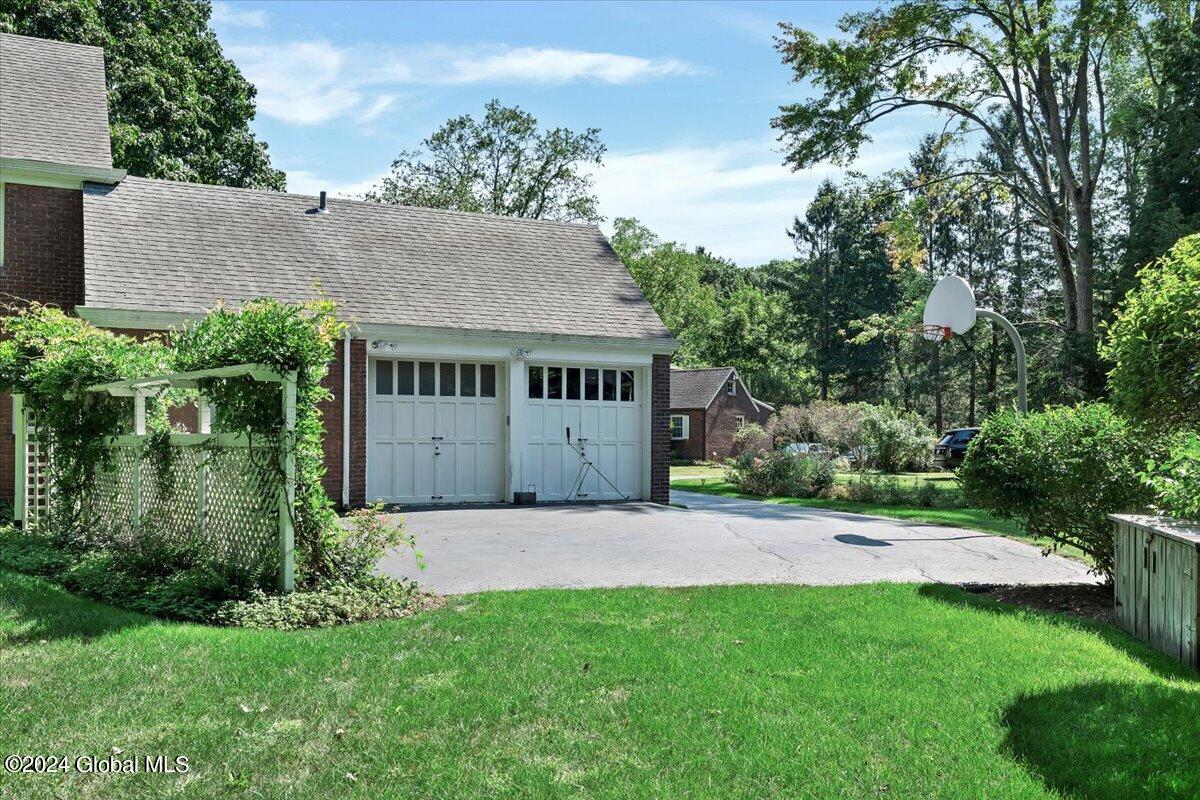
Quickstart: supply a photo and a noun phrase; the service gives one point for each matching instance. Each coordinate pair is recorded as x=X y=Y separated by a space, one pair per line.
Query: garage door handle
x=437 y=438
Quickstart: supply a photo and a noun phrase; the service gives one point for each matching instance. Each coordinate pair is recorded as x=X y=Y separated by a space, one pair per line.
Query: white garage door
x=602 y=407
x=435 y=432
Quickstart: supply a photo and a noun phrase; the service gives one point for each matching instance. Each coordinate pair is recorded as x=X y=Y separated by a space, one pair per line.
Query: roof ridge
x=368 y=203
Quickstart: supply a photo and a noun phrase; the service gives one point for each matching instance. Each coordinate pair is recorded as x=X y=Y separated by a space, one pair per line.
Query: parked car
x=810 y=449
x=951 y=449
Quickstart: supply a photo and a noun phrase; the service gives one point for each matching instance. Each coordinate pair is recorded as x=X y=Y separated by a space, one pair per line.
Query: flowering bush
x=780 y=473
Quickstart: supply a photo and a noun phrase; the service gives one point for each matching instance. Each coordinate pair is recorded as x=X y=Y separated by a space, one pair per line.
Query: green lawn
x=970 y=518
x=942 y=480
x=800 y=692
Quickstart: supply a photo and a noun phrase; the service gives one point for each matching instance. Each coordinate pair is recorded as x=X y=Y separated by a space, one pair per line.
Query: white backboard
x=951 y=304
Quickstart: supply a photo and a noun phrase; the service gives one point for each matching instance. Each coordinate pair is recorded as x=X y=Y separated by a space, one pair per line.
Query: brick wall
x=691 y=448
x=721 y=421
x=331 y=414
x=43 y=262
x=660 y=430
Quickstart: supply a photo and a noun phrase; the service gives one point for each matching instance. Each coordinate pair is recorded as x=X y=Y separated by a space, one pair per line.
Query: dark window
x=466 y=384
x=535 y=383
x=627 y=385
x=487 y=380
x=573 y=383
x=383 y=377
x=591 y=384
x=426 y=373
x=404 y=377
x=448 y=372
x=610 y=384
x=554 y=383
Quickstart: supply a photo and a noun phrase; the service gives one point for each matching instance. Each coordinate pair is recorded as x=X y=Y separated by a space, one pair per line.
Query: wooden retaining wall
x=1157 y=600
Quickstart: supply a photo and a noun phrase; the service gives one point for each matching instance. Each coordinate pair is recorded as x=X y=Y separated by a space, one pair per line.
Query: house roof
x=696 y=388
x=162 y=246
x=53 y=102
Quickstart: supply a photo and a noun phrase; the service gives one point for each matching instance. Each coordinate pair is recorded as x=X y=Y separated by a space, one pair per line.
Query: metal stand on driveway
x=586 y=465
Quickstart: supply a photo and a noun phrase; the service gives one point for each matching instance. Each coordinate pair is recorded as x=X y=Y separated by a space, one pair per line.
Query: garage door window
x=427 y=377
x=535 y=383
x=447 y=387
x=610 y=384
x=591 y=384
x=466 y=383
x=554 y=383
x=627 y=386
x=404 y=377
x=383 y=377
x=573 y=383
x=487 y=380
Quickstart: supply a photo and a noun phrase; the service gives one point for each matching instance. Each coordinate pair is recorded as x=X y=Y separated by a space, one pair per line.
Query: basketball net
x=935 y=333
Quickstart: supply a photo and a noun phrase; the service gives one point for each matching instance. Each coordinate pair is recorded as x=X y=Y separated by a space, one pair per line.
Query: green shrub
x=896 y=440
x=1154 y=342
x=1176 y=480
x=367 y=535
x=1060 y=472
x=780 y=473
x=750 y=438
x=32 y=554
x=888 y=491
x=330 y=604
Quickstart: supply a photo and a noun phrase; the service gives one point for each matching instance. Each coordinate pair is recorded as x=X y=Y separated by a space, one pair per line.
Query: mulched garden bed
x=1089 y=601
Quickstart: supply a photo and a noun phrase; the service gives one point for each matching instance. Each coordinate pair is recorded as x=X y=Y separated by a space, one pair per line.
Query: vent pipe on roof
x=322 y=209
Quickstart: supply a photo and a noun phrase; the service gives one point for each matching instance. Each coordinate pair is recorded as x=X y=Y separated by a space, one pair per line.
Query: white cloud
x=736 y=199
x=301 y=181
x=226 y=14
x=312 y=82
x=553 y=66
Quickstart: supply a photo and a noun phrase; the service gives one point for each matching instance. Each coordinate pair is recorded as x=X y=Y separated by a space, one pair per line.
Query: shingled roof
x=162 y=246
x=53 y=102
x=696 y=388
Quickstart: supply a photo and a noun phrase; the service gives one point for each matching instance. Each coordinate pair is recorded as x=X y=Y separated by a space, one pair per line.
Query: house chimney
x=321 y=209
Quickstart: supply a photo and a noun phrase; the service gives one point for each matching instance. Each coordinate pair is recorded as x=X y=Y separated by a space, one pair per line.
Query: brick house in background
x=708 y=407
x=474 y=341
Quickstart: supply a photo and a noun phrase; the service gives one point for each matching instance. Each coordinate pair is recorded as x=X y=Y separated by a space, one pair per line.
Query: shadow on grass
x=32 y=609
x=1105 y=741
x=1156 y=662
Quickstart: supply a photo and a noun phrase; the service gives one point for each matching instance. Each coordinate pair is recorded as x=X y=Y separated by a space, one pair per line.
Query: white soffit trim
x=411 y=334
x=62 y=176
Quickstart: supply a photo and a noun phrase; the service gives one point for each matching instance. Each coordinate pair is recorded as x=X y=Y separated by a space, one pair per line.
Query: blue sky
x=683 y=94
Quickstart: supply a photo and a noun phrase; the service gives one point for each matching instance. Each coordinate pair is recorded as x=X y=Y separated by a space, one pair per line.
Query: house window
x=739 y=421
x=732 y=387
x=679 y=427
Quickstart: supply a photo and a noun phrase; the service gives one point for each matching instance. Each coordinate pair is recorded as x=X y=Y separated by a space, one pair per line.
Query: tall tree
x=970 y=60
x=502 y=164
x=177 y=108
x=1171 y=206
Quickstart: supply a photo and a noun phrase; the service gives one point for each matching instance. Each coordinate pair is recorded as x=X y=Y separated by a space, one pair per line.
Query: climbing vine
x=52 y=358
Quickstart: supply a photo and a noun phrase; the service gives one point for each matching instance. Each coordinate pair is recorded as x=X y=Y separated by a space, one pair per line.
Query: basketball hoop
x=935 y=333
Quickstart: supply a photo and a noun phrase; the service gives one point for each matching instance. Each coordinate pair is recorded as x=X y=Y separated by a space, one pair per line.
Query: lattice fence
x=216 y=492
x=231 y=496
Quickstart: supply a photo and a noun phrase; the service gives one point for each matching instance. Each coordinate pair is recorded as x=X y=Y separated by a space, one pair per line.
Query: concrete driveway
x=714 y=541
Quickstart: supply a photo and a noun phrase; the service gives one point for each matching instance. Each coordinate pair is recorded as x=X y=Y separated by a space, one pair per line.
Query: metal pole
x=1018 y=346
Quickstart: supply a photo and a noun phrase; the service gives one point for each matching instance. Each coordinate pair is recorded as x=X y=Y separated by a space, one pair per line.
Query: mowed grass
x=969 y=518
x=941 y=480
x=893 y=691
